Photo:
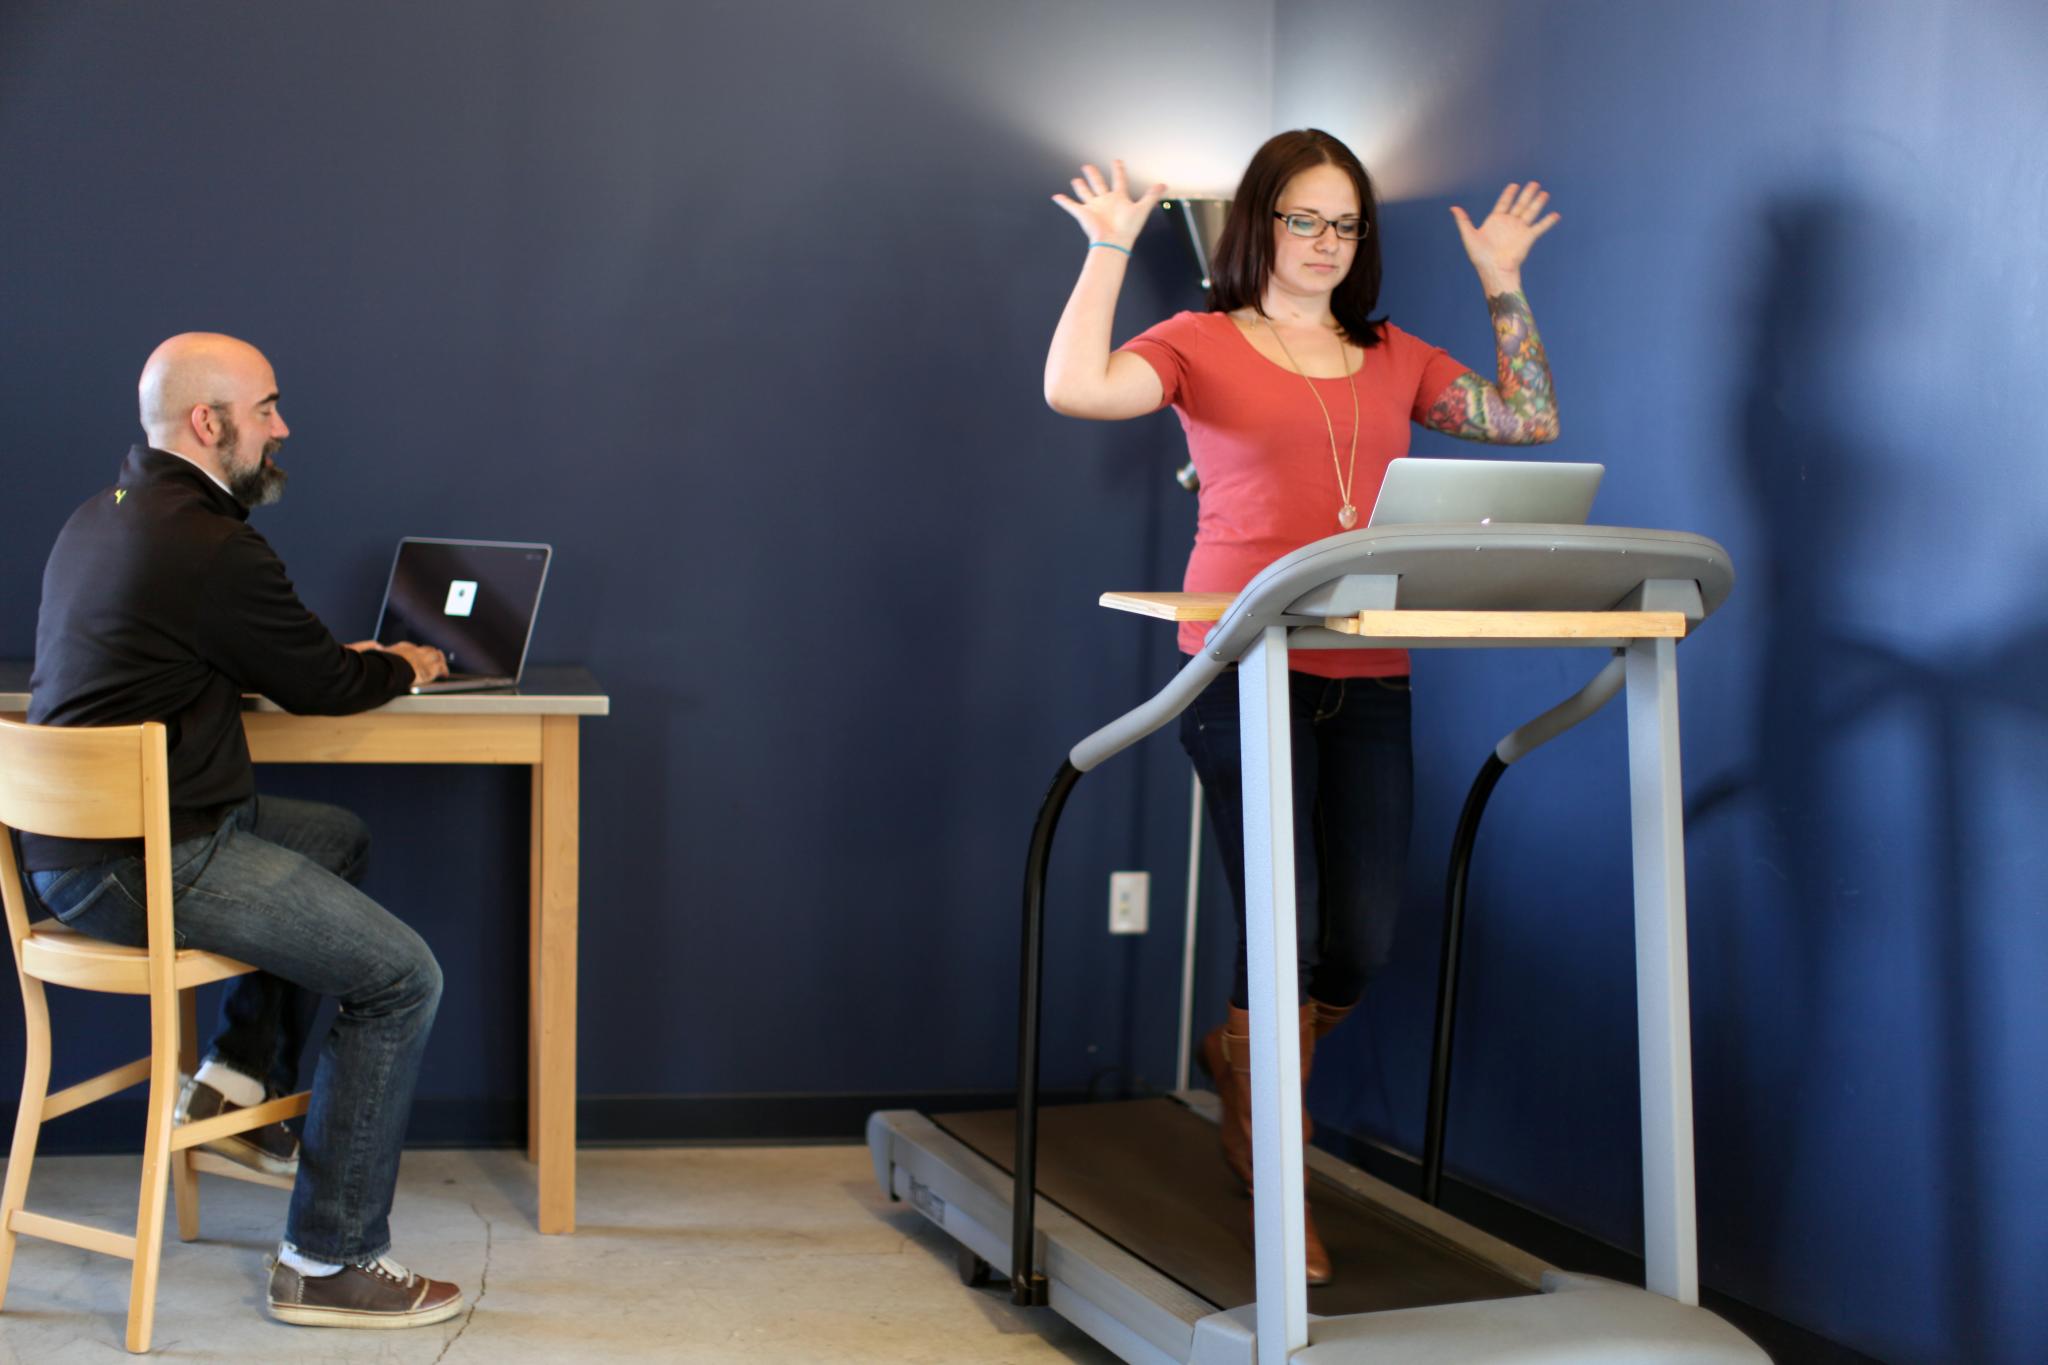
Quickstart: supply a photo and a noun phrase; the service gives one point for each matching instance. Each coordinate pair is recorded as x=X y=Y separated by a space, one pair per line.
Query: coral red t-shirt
x=1259 y=442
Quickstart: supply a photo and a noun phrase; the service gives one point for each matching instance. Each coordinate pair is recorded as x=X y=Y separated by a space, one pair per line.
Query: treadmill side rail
x=1226 y=1338
x=1578 y=1318
x=1091 y=1281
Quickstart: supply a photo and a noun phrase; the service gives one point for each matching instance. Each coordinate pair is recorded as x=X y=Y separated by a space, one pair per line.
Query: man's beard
x=256 y=485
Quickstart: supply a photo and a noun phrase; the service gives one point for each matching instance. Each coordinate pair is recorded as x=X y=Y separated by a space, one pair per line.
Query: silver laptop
x=1539 y=491
x=474 y=600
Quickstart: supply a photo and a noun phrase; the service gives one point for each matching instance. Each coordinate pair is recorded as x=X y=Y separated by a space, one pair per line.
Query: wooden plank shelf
x=1427 y=625
x=1513 y=625
x=1171 y=606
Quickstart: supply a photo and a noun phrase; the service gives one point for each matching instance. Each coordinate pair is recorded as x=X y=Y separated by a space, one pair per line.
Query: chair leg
x=28 y=1120
x=157 y=1160
x=185 y=1194
x=184 y=1178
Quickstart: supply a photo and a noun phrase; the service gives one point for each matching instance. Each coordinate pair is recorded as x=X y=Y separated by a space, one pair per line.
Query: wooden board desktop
x=1443 y=627
x=534 y=726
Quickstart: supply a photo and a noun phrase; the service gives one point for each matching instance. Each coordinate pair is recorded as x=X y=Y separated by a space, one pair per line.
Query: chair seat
x=65 y=957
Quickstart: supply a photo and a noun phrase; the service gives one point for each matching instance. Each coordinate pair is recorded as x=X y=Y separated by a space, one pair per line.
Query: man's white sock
x=242 y=1091
x=287 y=1254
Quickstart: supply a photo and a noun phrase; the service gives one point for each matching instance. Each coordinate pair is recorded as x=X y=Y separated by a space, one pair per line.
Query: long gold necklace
x=1347 y=515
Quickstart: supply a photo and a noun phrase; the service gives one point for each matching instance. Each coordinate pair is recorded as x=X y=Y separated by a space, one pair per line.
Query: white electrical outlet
x=1130 y=896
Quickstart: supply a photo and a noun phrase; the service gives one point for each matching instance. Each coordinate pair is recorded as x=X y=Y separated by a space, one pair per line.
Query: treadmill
x=1121 y=1216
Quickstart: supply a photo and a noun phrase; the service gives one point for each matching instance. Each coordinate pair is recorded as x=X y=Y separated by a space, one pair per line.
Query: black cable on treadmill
x=1027 y=1285
x=1447 y=973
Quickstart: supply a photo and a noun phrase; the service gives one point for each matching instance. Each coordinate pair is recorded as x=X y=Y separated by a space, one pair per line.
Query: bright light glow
x=1395 y=91
x=1186 y=103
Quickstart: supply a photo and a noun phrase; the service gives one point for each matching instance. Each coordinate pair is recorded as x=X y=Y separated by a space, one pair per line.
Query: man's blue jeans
x=1353 y=804
x=271 y=887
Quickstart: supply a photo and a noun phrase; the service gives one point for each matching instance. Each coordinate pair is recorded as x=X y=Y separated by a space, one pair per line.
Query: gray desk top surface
x=547 y=690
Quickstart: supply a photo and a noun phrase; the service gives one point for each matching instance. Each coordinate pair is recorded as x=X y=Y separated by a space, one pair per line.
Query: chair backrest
x=78 y=783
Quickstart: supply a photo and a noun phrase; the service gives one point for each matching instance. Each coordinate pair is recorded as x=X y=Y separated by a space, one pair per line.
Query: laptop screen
x=474 y=600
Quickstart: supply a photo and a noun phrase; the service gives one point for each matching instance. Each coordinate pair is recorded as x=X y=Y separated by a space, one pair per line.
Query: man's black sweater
x=160 y=602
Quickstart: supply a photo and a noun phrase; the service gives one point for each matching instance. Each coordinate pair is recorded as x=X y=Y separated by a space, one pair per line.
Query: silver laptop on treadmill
x=474 y=600
x=1543 y=492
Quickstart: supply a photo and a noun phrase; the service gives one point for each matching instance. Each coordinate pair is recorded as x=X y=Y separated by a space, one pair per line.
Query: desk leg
x=553 y=1050
x=536 y=827
x=1663 y=1002
x=1279 y=1232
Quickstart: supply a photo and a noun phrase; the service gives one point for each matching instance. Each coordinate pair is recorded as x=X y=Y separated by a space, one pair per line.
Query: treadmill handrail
x=1392 y=550
x=1556 y=560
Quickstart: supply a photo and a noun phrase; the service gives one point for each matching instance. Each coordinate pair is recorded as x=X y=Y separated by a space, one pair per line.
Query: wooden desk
x=535 y=726
x=1430 y=627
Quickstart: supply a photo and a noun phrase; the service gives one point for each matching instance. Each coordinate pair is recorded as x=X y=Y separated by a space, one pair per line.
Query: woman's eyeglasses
x=1312 y=225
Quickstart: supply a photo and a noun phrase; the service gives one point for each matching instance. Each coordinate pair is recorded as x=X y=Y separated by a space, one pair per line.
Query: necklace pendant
x=1347 y=516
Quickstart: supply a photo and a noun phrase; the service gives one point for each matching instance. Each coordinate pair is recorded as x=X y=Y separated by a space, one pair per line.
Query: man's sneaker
x=380 y=1294
x=271 y=1149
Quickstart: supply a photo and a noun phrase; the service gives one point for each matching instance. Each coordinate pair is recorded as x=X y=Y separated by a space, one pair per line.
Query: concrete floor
x=785 y=1254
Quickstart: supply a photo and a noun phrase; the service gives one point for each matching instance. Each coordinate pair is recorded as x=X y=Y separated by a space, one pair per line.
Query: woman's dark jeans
x=271 y=887
x=1353 y=802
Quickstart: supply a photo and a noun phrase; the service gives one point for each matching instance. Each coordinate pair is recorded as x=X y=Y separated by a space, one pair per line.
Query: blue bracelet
x=1111 y=245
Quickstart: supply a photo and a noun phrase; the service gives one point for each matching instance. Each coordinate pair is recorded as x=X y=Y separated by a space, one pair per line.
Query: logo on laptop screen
x=461 y=597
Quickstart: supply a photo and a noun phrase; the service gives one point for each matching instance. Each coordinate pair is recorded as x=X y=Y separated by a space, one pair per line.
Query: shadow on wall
x=1837 y=707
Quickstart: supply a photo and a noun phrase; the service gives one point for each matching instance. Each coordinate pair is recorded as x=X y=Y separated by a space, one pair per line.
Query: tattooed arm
x=1521 y=408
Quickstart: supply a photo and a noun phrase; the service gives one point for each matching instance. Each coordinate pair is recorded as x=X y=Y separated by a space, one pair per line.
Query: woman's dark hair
x=1244 y=253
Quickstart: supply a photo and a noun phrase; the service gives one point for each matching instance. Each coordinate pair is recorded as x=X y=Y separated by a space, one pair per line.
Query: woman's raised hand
x=1499 y=245
x=1083 y=377
x=1106 y=212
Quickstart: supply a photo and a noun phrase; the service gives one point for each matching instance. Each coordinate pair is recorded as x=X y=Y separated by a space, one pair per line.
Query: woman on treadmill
x=1294 y=400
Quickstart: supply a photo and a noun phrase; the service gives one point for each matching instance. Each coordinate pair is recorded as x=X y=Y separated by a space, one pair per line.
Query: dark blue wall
x=742 y=308
x=1798 y=302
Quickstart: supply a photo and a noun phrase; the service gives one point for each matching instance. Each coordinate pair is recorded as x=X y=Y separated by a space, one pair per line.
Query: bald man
x=160 y=602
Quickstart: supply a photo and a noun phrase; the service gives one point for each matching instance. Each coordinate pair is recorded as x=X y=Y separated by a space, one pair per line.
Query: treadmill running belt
x=1147 y=1175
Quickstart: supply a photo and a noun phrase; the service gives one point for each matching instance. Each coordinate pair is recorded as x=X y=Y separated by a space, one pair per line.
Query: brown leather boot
x=1226 y=1056
x=1327 y=1017
x=1316 y=1257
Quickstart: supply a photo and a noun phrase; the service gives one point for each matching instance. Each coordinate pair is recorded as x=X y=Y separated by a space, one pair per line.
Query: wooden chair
x=110 y=784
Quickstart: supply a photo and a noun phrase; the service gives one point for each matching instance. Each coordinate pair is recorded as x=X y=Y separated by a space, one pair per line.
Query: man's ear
x=205 y=424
